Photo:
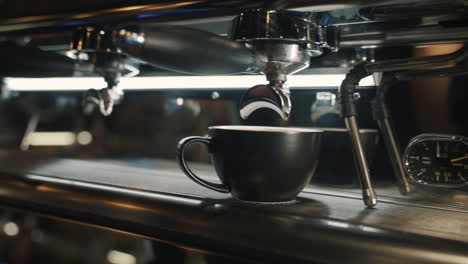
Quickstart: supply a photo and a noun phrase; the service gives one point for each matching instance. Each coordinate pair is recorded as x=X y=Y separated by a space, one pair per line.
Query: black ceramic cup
x=259 y=164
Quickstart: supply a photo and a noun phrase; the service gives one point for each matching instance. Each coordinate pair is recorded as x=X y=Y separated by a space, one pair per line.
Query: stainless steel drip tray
x=449 y=199
x=165 y=176
x=324 y=226
x=141 y=174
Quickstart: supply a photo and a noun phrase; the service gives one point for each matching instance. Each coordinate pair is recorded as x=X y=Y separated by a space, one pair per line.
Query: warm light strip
x=174 y=82
x=51 y=138
x=119 y=257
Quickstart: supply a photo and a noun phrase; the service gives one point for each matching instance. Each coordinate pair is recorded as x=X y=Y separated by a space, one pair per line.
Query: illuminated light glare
x=11 y=229
x=119 y=257
x=83 y=56
x=180 y=101
x=370 y=229
x=174 y=82
x=51 y=138
x=141 y=39
x=185 y=200
x=337 y=224
x=250 y=108
x=326 y=96
x=84 y=138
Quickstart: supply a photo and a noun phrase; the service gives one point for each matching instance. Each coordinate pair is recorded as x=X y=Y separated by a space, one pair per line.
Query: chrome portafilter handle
x=268 y=105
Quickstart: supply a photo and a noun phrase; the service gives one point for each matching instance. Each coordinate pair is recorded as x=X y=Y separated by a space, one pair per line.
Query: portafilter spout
x=98 y=52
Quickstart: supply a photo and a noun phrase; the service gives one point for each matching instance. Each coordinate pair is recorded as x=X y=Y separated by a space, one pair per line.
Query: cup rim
x=262 y=129
x=340 y=129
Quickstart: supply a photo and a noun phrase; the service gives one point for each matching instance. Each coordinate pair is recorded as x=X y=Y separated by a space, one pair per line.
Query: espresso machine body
x=96 y=95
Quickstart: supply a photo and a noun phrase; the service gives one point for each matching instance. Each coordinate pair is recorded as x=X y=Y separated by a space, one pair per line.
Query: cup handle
x=183 y=165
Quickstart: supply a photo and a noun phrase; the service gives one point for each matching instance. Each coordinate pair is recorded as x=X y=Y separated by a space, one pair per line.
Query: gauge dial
x=440 y=160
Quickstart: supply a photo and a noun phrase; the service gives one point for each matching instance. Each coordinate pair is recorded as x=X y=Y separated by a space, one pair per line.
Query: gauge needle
x=461 y=158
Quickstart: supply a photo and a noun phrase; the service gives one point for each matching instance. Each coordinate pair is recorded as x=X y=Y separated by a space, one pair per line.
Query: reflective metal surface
x=321 y=227
x=273 y=98
x=394 y=153
x=420 y=36
x=285 y=42
x=184 y=50
x=120 y=52
x=277 y=60
x=63 y=15
x=368 y=192
x=281 y=59
x=296 y=27
x=382 y=116
x=173 y=48
x=347 y=100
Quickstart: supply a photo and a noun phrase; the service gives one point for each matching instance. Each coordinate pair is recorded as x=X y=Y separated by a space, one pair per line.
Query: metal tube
x=418 y=62
x=413 y=36
x=435 y=73
x=393 y=149
x=193 y=51
x=368 y=193
x=381 y=115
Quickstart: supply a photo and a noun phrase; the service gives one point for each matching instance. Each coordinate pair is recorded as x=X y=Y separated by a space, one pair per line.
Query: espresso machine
x=270 y=41
x=274 y=43
x=156 y=47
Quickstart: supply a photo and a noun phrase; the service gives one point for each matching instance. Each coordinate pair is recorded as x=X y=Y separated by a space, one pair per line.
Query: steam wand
x=382 y=116
x=349 y=112
x=404 y=70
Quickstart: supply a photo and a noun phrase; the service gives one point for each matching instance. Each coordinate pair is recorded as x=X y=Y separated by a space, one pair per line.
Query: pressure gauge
x=438 y=160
